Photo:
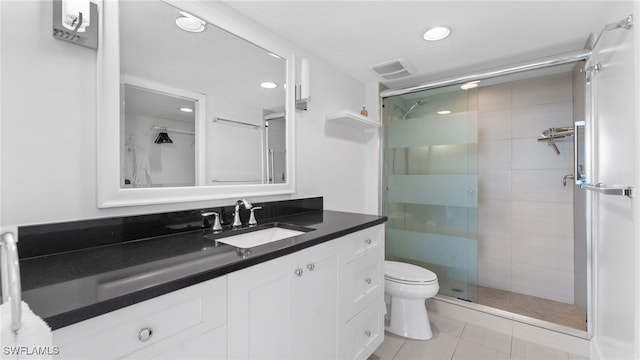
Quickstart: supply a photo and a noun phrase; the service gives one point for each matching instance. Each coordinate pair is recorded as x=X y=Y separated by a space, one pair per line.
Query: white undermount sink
x=259 y=237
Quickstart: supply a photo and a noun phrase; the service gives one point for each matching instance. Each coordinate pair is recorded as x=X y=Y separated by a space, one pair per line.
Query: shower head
x=163 y=138
x=419 y=102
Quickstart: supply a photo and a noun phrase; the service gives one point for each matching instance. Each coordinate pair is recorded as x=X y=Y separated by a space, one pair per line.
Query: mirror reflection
x=159 y=130
x=200 y=106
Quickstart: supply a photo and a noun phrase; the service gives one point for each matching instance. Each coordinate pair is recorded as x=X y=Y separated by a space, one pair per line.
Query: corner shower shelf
x=353 y=119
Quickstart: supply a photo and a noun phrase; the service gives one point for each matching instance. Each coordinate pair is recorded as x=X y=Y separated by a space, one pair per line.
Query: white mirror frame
x=110 y=194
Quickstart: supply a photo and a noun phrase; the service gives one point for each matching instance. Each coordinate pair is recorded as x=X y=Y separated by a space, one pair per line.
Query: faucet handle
x=252 y=219
x=217 y=227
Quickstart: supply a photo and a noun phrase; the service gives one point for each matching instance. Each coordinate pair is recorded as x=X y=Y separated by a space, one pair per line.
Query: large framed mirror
x=194 y=104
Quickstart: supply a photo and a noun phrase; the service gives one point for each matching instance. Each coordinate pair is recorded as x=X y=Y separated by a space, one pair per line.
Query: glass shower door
x=430 y=185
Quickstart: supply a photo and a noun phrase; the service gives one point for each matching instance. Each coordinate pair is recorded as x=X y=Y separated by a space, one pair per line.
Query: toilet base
x=409 y=318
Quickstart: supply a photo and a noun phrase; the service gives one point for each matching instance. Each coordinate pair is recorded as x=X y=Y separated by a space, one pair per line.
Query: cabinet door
x=259 y=310
x=316 y=305
x=285 y=308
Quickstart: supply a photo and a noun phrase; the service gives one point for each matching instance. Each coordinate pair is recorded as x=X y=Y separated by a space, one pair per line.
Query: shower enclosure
x=478 y=187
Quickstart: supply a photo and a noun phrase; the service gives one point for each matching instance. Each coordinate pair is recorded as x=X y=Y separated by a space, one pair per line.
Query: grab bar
x=11 y=289
x=600 y=188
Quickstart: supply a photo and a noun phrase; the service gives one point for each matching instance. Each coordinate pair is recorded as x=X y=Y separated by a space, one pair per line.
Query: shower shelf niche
x=353 y=119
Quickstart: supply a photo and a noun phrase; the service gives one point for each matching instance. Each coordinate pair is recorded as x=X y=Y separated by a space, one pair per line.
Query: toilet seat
x=409 y=274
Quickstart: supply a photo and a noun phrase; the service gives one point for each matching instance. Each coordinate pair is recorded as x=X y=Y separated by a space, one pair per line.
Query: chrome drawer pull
x=368 y=241
x=298 y=272
x=311 y=266
x=367 y=280
x=145 y=334
x=367 y=333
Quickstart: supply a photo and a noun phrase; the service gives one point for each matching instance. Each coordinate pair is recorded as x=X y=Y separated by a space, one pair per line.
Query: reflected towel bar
x=180 y=131
x=217 y=119
x=599 y=187
x=11 y=289
x=235 y=181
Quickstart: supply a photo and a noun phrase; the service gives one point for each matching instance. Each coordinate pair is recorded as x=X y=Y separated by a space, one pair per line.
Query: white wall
x=48 y=131
x=525 y=215
x=332 y=161
x=616 y=219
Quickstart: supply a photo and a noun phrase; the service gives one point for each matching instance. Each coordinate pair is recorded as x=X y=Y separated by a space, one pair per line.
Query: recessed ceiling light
x=470 y=85
x=186 y=109
x=444 y=112
x=269 y=85
x=190 y=23
x=437 y=33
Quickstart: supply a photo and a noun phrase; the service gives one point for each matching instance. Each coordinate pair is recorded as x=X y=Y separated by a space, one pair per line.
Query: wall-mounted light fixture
x=76 y=21
x=303 y=96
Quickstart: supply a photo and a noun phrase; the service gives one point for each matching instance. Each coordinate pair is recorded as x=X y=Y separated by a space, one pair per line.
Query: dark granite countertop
x=72 y=286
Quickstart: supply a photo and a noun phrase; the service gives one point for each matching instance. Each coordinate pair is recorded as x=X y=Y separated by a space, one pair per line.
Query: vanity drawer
x=360 y=243
x=153 y=325
x=364 y=333
x=362 y=282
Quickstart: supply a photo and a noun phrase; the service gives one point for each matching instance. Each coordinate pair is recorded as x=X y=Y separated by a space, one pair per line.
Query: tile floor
x=457 y=340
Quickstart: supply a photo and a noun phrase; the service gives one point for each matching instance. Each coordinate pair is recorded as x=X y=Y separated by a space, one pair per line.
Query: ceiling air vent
x=394 y=69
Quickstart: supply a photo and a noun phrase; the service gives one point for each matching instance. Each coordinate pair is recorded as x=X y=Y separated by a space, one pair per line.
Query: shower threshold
x=531 y=319
x=538 y=308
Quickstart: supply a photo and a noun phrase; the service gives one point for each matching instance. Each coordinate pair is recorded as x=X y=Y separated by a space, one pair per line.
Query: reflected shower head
x=163 y=138
x=419 y=102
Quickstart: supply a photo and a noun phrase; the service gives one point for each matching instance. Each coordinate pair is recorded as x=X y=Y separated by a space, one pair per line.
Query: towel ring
x=11 y=289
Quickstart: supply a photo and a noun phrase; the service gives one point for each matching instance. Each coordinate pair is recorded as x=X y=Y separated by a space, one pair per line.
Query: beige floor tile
x=487 y=338
x=467 y=350
x=531 y=351
x=441 y=346
x=446 y=325
x=390 y=346
x=535 y=307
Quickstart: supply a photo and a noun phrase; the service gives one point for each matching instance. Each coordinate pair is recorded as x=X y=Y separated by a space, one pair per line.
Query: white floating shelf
x=353 y=119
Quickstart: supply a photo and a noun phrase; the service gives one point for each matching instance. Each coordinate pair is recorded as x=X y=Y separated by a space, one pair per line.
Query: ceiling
x=354 y=35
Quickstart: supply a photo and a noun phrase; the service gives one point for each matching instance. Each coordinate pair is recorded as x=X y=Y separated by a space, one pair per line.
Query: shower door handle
x=272 y=172
x=578 y=170
x=616 y=190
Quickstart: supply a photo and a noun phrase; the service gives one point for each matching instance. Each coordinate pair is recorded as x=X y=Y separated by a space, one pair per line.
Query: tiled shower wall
x=525 y=214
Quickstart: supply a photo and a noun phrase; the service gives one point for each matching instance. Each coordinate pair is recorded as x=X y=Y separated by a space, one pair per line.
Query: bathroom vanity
x=185 y=295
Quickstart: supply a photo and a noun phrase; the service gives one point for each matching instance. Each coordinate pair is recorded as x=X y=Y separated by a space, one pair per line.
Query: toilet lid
x=408 y=273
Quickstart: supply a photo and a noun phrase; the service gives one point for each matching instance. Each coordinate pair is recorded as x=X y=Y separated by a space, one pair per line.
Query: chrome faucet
x=236 y=215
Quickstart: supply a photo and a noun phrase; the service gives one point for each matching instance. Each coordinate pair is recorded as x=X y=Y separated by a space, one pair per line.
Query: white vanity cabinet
x=186 y=324
x=324 y=302
x=286 y=308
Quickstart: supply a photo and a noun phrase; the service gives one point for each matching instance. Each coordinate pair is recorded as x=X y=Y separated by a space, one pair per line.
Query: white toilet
x=406 y=287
